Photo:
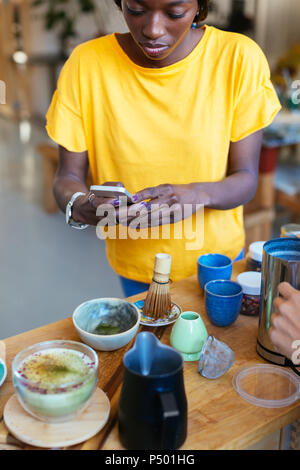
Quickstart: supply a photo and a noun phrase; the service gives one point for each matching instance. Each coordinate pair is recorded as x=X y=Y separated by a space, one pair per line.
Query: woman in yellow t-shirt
x=174 y=111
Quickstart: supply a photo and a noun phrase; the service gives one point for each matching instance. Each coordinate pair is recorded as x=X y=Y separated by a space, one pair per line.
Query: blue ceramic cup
x=213 y=266
x=223 y=301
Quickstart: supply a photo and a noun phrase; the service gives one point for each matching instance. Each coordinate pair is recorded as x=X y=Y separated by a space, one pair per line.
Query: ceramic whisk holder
x=188 y=335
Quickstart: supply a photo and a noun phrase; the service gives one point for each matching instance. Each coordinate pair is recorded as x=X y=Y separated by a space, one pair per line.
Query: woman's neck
x=133 y=51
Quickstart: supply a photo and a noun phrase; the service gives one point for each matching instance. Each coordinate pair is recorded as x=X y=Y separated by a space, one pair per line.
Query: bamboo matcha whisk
x=158 y=301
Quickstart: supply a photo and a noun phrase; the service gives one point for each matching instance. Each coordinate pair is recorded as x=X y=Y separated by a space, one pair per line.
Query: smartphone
x=110 y=191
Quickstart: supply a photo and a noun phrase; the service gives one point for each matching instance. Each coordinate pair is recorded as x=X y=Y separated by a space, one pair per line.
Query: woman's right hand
x=85 y=207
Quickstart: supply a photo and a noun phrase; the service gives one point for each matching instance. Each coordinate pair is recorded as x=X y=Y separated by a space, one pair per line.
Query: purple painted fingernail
x=134 y=198
x=116 y=202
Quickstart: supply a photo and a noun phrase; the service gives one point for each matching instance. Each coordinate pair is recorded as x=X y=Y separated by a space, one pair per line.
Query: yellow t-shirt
x=149 y=126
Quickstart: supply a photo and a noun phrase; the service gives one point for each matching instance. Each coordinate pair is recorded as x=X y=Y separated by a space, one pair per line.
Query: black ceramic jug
x=153 y=406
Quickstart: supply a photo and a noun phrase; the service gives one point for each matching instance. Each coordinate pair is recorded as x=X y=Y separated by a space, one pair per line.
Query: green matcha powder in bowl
x=54 y=380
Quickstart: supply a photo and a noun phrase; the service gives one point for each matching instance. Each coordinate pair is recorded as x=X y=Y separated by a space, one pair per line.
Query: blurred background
x=46 y=268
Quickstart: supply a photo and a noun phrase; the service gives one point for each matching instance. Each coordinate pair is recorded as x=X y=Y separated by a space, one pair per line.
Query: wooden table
x=218 y=418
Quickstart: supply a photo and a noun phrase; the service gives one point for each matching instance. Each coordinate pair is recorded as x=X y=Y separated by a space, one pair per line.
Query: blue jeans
x=131 y=287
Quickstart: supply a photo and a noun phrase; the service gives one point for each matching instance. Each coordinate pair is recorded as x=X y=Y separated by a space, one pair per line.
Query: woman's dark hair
x=203 y=10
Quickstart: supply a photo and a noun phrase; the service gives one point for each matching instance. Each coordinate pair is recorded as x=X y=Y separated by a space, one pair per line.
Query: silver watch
x=69 y=208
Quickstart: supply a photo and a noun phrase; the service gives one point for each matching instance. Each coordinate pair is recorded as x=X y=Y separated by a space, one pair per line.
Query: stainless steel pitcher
x=281 y=262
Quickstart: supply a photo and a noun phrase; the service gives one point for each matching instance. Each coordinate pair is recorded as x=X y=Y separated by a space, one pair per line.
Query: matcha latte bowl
x=54 y=380
x=106 y=324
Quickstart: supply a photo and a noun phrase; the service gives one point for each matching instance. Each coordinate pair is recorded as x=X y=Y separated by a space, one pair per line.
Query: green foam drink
x=54 y=384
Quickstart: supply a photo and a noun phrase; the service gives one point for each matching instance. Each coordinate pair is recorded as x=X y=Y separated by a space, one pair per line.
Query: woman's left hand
x=163 y=204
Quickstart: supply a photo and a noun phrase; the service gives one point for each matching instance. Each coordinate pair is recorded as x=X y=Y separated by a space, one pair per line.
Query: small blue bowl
x=213 y=266
x=223 y=301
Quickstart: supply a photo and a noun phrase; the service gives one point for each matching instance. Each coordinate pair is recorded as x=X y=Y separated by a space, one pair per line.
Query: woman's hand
x=85 y=207
x=71 y=177
x=163 y=204
x=236 y=189
x=285 y=322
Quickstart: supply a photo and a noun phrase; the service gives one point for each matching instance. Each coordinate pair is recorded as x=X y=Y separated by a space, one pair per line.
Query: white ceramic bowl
x=106 y=324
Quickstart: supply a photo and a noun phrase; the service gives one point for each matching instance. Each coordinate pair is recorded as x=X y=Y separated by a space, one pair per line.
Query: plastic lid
x=267 y=385
x=256 y=251
x=250 y=282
